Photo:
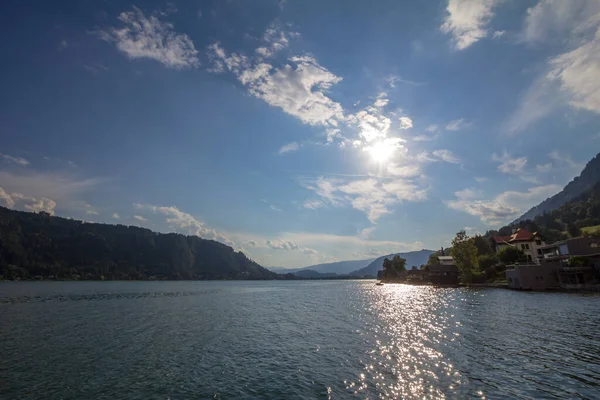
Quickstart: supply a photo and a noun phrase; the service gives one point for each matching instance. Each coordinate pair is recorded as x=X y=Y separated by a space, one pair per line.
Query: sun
x=380 y=152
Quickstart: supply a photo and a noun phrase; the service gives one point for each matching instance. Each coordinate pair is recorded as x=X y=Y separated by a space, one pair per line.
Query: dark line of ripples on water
x=294 y=340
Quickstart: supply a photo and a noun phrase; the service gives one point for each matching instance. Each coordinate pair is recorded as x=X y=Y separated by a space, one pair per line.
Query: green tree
x=578 y=261
x=414 y=268
x=482 y=244
x=433 y=259
x=573 y=230
x=464 y=254
x=486 y=261
x=387 y=268
x=510 y=255
x=398 y=264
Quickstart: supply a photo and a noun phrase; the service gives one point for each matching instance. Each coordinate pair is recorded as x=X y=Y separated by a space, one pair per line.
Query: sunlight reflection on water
x=405 y=360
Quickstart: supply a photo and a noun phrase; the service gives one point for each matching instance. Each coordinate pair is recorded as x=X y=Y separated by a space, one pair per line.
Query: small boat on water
x=379 y=284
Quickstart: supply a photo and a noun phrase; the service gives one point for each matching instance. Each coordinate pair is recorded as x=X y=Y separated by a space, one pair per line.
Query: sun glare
x=380 y=152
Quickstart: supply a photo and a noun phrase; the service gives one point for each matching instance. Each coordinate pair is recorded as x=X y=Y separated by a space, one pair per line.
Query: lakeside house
x=444 y=273
x=522 y=239
x=553 y=270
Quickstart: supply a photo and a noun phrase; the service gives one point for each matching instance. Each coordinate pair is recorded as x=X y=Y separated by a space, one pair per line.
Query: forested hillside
x=566 y=221
x=39 y=245
x=589 y=177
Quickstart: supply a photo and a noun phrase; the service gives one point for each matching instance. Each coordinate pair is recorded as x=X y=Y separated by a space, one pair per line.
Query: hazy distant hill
x=412 y=258
x=339 y=267
x=40 y=245
x=589 y=177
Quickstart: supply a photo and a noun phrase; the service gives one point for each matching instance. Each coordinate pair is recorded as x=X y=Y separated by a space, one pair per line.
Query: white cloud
x=63 y=45
x=299 y=91
x=393 y=81
x=467 y=20
x=432 y=128
x=469 y=194
x=91 y=212
x=367 y=232
x=64 y=189
x=458 y=124
x=504 y=207
x=481 y=179
x=185 y=223
x=7 y=200
x=293 y=146
x=572 y=77
x=422 y=138
x=381 y=101
x=251 y=243
x=313 y=204
x=550 y=19
x=374 y=197
x=578 y=74
x=30 y=203
x=498 y=34
x=298 y=87
x=275 y=40
x=510 y=165
x=405 y=123
x=288 y=245
x=140 y=218
x=15 y=160
x=404 y=171
x=446 y=155
x=144 y=36
x=116 y=216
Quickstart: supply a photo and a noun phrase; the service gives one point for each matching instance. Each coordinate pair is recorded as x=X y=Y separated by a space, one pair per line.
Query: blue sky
x=298 y=132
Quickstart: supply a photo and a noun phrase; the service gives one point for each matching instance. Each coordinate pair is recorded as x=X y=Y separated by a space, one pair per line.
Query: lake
x=294 y=340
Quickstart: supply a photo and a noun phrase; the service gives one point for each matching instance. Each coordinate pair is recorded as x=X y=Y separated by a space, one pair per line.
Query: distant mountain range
x=412 y=258
x=339 y=268
x=588 y=178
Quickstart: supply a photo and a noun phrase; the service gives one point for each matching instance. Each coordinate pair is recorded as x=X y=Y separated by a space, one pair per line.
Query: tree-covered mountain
x=412 y=258
x=589 y=177
x=567 y=220
x=39 y=245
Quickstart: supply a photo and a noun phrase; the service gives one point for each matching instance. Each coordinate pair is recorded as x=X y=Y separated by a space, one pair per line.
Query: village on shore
x=521 y=261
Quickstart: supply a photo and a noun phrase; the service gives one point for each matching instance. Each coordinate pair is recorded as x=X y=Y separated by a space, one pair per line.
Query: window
x=525 y=246
x=539 y=252
x=529 y=258
x=538 y=242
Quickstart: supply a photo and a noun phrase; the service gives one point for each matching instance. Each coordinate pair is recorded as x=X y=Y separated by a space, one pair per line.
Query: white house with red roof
x=522 y=239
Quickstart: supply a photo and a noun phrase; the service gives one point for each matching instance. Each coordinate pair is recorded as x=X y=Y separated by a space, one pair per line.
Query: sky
x=299 y=132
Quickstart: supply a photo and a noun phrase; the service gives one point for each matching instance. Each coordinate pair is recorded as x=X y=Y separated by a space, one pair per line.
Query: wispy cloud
x=184 y=222
x=446 y=155
x=288 y=245
x=140 y=218
x=458 y=125
x=374 y=197
x=569 y=78
x=510 y=165
x=467 y=21
x=14 y=160
x=504 y=207
x=142 y=36
x=293 y=146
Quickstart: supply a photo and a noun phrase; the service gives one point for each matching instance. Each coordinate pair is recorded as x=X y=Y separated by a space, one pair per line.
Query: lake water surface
x=293 y=340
